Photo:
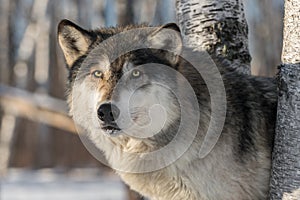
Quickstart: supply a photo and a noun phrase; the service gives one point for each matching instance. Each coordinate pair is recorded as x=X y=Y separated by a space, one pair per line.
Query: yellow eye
x=97 y=74
x=136 y=73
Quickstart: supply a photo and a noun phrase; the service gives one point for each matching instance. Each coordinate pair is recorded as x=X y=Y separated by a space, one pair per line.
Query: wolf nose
x=108 y=112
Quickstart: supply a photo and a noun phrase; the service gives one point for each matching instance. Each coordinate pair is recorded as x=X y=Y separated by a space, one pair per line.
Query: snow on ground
x=83 y=184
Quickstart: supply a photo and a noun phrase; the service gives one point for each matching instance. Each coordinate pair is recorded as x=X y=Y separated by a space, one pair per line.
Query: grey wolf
x=128 y=104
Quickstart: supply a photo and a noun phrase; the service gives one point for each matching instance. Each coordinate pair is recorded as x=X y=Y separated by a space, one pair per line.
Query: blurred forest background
x=35 y=131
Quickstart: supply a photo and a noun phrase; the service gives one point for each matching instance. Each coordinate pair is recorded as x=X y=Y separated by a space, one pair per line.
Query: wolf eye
x=136 y=73
x=97 y=74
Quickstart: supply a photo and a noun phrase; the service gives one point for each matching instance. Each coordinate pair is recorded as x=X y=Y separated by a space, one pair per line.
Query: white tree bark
x=285 y=178
x=219 y=27
x=291 y=35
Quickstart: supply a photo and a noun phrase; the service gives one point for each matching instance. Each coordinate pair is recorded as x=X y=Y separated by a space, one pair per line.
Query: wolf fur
x=238 y=167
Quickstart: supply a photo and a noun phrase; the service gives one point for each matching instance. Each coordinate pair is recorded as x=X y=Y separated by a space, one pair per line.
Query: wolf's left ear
x=73 y=40
x=167 y=37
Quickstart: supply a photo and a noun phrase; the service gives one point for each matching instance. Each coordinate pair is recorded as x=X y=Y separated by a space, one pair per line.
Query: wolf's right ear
x=73 y=40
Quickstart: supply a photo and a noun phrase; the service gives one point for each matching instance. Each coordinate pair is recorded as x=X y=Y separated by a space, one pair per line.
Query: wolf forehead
x=83 y=46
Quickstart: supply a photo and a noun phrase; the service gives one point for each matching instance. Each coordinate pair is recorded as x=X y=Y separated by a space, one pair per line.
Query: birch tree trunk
x=285 y=178
x=219 y=27
x=125 y=12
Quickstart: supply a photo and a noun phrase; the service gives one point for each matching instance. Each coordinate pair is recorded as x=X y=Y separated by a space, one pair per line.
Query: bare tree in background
x=219 y=27
x=7 y=132
x=4 y=40
x=125 y=9
x=265 y=36
x=285 y=179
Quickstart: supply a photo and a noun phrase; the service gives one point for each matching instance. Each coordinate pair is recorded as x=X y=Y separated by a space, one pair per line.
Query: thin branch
x=37 y=107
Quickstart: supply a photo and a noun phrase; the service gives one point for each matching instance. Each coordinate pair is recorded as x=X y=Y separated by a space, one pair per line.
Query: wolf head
x=122 y=80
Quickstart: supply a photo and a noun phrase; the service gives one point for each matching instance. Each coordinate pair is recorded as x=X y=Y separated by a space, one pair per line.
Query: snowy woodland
x=41 y=157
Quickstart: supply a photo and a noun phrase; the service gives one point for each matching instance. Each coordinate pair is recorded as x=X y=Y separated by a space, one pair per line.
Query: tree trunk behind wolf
x=285 y=178
x=219 y=27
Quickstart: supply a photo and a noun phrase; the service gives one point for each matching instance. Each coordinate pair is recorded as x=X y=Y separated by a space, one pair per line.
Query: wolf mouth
x=111 y=129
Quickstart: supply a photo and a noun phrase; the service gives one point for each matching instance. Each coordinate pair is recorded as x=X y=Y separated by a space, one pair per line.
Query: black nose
x=108 y=113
